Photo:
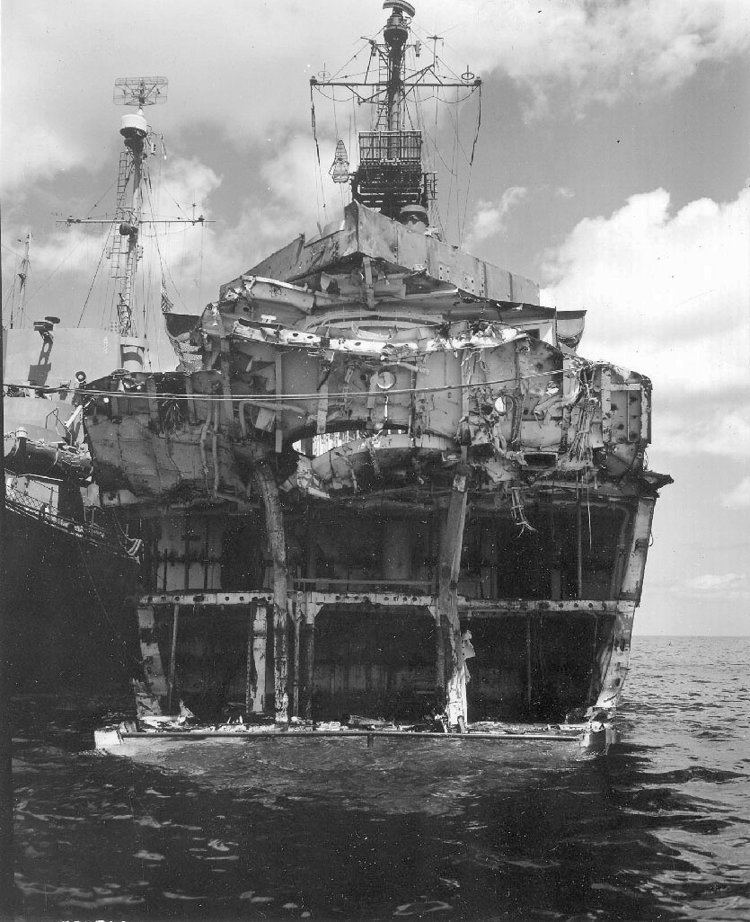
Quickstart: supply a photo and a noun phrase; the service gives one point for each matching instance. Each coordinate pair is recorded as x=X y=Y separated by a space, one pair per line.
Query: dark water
x=658 y=829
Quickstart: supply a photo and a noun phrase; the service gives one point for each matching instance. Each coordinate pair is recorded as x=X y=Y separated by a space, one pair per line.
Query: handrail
x=31 y=508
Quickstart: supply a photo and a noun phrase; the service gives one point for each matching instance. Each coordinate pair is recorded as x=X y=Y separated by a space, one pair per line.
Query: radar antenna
x=140 y=91
x=137 y=92
x=390 y=175
x=139 y=141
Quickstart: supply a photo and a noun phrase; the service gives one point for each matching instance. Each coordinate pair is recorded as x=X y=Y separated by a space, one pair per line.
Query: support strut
x=265 y=482
x=450 y=626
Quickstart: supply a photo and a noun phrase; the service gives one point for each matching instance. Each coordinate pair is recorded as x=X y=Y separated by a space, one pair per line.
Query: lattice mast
x=391 y=176
x=20 y=281
x=137 y=92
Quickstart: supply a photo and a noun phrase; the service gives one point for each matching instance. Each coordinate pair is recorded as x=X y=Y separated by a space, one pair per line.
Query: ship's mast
x=395 y=34
x=390 y=175
x=132 y=178
x=17 y=317
x=140 y=92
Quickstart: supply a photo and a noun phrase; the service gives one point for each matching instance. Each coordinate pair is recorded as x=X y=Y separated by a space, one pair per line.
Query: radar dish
x=140 y=91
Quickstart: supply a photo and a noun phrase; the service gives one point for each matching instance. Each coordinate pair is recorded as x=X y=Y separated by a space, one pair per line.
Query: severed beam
x=453 y=667
x=265 y=481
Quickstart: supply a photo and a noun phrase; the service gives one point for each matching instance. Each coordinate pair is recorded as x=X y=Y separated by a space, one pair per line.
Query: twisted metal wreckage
x=381 y=457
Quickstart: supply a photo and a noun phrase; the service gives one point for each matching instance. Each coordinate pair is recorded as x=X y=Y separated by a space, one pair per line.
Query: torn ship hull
x=381 y=485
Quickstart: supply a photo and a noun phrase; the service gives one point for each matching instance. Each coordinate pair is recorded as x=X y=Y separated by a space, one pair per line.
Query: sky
x=611 y=166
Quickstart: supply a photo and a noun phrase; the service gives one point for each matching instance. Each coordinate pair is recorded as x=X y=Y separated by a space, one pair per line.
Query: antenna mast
x=18 y=317
x=131 y=176
x=396 y=33
x=390 y=175
x=140 y=92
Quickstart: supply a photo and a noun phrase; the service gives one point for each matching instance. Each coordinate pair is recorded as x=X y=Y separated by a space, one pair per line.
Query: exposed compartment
x=534 y=666
x=211 y=659
x=374 y=662
x=566 y=551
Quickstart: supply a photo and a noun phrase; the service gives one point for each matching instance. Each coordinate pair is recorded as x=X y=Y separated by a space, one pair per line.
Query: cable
x=471 y=159
x=162 y=263
x=317 y=151
x=93 y=280
x=350 y=395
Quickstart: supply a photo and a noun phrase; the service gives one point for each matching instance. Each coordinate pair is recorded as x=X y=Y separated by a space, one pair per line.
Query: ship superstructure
x=71 y=563
x=393 y=495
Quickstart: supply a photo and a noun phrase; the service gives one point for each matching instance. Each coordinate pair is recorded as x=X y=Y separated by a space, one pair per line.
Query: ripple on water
x=657 y=829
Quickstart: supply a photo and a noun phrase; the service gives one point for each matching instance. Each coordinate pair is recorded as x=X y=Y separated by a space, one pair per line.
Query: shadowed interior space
x=374 y=662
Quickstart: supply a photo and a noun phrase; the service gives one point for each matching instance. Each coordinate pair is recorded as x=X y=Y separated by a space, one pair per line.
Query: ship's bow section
x=382 y=497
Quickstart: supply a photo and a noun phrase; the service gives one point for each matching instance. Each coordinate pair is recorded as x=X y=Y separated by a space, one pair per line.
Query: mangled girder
x=511 y=404
x=364 y=233
x=157 y=437
x=479 y=384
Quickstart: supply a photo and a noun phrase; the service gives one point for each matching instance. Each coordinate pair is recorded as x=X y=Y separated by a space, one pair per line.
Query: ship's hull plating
x=70 y=612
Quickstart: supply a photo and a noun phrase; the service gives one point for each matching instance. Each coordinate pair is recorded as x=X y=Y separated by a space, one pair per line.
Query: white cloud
x=715 y=427
x=716 y=582
x=598 y=50
x=31 y=153
x=739 y=497
x=241 y=68
x=489 y=218
x=195 y=260
x=667 y=293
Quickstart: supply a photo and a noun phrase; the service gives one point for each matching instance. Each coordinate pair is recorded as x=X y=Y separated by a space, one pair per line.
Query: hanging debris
x=387 y=441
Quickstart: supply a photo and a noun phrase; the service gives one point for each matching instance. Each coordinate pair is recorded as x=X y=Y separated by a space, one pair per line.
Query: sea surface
x=657 y=829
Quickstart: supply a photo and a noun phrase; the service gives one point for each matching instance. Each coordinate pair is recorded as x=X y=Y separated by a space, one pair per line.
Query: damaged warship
x=383 y=495
x=71 y=564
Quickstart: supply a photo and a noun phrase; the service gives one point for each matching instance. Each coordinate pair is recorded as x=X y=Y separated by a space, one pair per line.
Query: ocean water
x=657 y=829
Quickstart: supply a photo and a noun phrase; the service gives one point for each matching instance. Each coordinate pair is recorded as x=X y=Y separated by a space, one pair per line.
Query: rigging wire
x=100 y=199
x=471 y=159
x=317 y=152
x=164 y=265
x=200 y=263
x=109 y=234
x=315 y=395
x=11 y=250
x=352 y=58
x=54 y=272
x=93 y=280
x=11 y=290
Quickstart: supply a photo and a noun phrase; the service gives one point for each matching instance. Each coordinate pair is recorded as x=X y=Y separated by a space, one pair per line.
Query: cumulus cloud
x=489 y=217
x=667 y=292
x=739 y=497
x=32 y=152
x=599 y=50
x=241 y=68
x=714 y=427
x=193 y=260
